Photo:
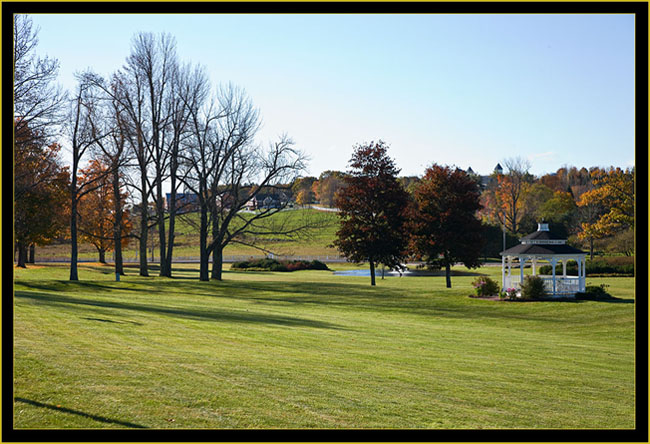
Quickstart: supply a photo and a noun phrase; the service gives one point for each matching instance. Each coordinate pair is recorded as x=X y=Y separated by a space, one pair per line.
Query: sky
x=463 y=90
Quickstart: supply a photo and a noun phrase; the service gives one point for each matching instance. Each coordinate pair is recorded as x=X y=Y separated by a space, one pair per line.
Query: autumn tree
x=328 y=184
x=97 y=217
x=40 y=194
x=444 y=224
x=373 y=210
x=301 y=188
x=614 y=193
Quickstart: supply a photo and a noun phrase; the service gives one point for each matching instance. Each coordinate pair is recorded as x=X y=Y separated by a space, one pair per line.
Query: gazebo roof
x=542 y=235
x=551 y=250
x=542 y=242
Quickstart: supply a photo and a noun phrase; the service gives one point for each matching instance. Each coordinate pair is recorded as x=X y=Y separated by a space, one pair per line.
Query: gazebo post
x=563 y=267
x=534 y=265
x=503 y=272
x=553 y=262
x=521 y=271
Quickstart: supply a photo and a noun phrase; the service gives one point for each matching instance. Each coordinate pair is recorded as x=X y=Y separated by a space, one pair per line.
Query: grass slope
x=309 y=349
x=313 y=242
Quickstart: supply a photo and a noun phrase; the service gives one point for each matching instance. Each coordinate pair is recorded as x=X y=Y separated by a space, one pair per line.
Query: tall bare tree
x=151 y=81
x=84 y=133
x=222 y=160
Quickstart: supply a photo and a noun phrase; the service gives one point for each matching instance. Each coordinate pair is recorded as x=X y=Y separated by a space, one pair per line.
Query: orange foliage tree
x=97 y=211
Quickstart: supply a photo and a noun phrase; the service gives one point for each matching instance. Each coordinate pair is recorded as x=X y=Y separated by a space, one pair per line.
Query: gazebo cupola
x=544 y=246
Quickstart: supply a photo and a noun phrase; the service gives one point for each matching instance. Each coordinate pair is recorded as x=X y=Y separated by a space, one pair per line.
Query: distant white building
x=485 y=180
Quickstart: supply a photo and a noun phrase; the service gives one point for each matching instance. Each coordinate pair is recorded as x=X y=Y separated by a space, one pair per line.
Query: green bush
x=613 y=265
x=533 y=288
x=275 y=265
x=595 y=293
x=485 y=286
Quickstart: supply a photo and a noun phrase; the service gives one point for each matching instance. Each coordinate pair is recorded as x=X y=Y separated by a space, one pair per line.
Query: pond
x=366 y=272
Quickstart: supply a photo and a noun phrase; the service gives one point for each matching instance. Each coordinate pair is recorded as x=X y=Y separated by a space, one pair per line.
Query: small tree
x=373 y=210
x=97 y=216
x=445 y=227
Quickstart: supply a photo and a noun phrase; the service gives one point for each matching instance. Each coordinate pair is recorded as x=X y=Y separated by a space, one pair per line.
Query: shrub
x=275 y=265
x=533 y=288
x=485 y=286
x=617 y=265
x=595 y=293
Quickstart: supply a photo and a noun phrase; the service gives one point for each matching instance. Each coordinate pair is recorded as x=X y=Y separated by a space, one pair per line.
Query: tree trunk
x=172 y=226
x=217 y=263
x=448 y=274
x=22 y=255
x=102 y=255
x=591 y=248
x=372 y=273
x=162 y=241
x=383 y=268
x=173 y=165
x=203 y=245
x=117 y=226
x=30 y=259
x=144 y=234
x=74 y=252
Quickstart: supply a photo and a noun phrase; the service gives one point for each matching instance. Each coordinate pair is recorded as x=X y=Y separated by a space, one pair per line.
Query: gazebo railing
x=563 y=285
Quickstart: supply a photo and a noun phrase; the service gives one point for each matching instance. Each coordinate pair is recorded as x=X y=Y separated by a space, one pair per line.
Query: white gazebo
x=543 y=245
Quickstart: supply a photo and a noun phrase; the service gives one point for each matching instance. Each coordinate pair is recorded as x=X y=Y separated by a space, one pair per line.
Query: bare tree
x=512 y=190
x=220 y=159
x=38 y=101
x=84 y=133
x=157 y=117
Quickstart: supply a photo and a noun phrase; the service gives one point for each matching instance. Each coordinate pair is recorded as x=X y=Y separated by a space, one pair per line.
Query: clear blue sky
x=465 y=90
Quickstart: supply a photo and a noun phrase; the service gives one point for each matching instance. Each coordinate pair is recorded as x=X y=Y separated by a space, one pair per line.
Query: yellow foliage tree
x=613 y=190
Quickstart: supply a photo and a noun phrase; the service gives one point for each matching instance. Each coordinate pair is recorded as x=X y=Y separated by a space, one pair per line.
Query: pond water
x=366 y=272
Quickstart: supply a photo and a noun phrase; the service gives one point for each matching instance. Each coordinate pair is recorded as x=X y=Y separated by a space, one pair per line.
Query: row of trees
x=381 y=223
x=444 y=217
x=584 y=205
x=154 y=125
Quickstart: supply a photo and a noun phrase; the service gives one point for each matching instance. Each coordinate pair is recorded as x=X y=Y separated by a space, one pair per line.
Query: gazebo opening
x=544 y=246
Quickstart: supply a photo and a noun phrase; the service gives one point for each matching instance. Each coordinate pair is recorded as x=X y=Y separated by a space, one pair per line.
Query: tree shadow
x=79 y=413
x=208 y=315
x=111 y=321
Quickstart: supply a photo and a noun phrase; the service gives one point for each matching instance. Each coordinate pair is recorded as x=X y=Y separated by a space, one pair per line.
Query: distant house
x=267 y=201
x=185 y=202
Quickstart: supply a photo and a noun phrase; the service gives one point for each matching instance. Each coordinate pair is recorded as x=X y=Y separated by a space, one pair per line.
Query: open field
x=310 y=349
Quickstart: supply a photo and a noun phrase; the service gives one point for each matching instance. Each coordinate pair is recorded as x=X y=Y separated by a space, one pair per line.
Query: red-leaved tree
x=445 y=228
x=373 y=210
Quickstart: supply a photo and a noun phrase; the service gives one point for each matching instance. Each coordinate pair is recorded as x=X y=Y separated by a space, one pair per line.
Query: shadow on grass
x=210 y=315
x=111 y=321
x=77 y=412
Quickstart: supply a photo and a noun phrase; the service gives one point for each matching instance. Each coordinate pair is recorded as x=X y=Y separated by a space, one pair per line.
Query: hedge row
x=619 y=266
x=275 y=265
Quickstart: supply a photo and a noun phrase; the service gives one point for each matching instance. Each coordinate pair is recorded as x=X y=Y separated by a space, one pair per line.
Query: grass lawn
x=313 y=242
x=309 y=349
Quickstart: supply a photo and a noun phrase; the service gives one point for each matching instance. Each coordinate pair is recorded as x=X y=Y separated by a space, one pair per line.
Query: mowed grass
x=312 y=350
